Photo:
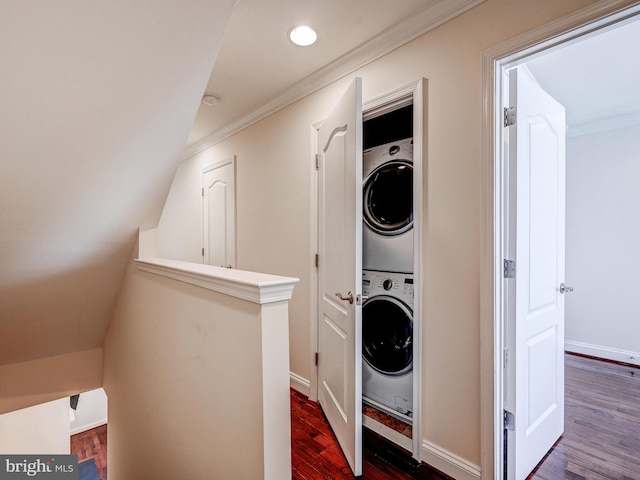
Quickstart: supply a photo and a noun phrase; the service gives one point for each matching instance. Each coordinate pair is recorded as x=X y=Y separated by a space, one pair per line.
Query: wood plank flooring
x=92 y=444
x=316 y=454
x=602 y=424
x=601 y=439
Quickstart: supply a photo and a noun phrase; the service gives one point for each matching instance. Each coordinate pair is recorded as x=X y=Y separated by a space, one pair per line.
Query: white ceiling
x=98 y=100
x=597 y=78
x=594 y=78
x=258 y=64
x=100 y=96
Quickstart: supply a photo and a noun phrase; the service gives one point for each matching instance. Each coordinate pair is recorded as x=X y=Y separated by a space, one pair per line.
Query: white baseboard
x=448 y=463
x=88 y=426
x=299 y=383
x=607 y=353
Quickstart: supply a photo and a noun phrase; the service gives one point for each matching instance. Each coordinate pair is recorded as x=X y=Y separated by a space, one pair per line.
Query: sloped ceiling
x=97 y=101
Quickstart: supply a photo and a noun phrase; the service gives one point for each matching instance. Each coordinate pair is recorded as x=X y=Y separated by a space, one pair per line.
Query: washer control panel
x=399 y=285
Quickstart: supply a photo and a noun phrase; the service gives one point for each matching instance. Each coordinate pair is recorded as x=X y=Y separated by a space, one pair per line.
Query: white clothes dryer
x=387 y=191
x=387 y=342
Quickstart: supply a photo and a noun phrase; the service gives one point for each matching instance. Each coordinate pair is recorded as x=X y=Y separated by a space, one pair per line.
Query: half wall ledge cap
x=261 y=288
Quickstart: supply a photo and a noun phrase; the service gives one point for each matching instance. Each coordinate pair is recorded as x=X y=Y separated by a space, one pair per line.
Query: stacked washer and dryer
x=387 y=313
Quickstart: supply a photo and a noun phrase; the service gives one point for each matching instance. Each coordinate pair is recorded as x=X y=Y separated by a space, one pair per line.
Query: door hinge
x=509 y=116
x=203 y=251
x=202 y=191
x=317 y=161
x=509 y=269
x=509 y=421
x=317 y=358
x=317 y=260
x=505 y=358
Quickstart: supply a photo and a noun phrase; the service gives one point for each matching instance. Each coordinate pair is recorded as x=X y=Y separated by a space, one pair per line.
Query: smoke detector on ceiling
x=210 y=100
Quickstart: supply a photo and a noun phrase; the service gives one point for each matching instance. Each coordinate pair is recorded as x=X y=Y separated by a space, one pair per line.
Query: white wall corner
x=448 y=462
x=147 y=243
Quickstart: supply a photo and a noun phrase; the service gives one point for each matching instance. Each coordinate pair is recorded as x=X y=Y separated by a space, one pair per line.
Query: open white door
x=535 y=371
x=340 y=272
x=218 y=214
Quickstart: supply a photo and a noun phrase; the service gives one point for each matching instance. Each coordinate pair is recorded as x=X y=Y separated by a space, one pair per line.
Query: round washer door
x=388 y=198
x=387 y=335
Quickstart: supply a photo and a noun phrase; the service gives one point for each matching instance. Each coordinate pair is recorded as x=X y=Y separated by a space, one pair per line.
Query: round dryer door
x=388 y=198
x=387 y=335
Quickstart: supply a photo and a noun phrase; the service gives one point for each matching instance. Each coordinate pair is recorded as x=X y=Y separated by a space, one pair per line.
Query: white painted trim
x=434 y=14
x=449 y=463
x=420 y=212
x=313 y=284
x=298 y=383
x=88 y=426
x=255 y=287
x=610 y=123
x=388 y=433
x=219 y=164
x=590 y=19
x=599 y=351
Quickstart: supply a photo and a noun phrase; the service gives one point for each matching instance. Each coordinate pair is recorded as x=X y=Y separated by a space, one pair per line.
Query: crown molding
x=437 y=13
x=604 y=124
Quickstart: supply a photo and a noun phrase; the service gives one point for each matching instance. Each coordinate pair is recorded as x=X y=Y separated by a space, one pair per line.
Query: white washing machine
x=387 y=342
x=387 y=191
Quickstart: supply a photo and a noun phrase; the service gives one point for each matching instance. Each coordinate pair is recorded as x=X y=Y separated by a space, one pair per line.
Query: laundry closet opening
x=388 y=272
x=366 y=325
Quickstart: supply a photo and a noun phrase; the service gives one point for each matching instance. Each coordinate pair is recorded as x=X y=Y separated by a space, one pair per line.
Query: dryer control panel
x=398 y=285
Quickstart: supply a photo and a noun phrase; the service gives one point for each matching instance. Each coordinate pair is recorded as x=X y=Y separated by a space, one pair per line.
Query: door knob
x=349 y=297
x=565 y=289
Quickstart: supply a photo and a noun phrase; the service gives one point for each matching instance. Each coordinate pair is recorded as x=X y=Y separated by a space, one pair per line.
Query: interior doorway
x=350 y=297
x=529 y=50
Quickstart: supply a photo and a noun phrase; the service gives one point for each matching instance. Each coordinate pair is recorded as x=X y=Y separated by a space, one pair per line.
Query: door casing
x=416 y=93
x=494 y=180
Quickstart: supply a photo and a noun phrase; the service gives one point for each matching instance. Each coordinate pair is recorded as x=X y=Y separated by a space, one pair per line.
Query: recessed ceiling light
x=303 y=35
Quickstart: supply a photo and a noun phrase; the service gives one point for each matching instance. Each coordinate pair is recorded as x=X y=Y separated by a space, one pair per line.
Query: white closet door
x=340 y=273
x=218 y=226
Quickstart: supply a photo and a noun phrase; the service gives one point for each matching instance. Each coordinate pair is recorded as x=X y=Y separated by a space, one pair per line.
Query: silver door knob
x=565 y=289
x=348 y=297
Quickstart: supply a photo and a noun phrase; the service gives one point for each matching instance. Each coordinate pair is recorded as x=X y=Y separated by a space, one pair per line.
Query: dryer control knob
x=387 y=284
x=393 y=150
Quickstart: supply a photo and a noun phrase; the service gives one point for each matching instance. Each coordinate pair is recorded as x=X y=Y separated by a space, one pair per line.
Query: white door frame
x=417 y=92
x=492 y=314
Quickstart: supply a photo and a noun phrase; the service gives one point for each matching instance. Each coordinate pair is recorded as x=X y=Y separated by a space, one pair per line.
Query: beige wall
x=274 y=178
x=42 y=429
x=31 y=383
x=184 y=375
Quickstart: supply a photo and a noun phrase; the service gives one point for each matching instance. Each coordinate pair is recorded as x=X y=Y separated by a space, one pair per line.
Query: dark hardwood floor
x=602 y=424
x=601 y=439
x=316 y=454
x=92 y=444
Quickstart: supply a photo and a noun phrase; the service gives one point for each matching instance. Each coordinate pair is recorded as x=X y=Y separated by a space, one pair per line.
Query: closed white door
x=535 y=371
x=218 y=214
x=340 y=273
